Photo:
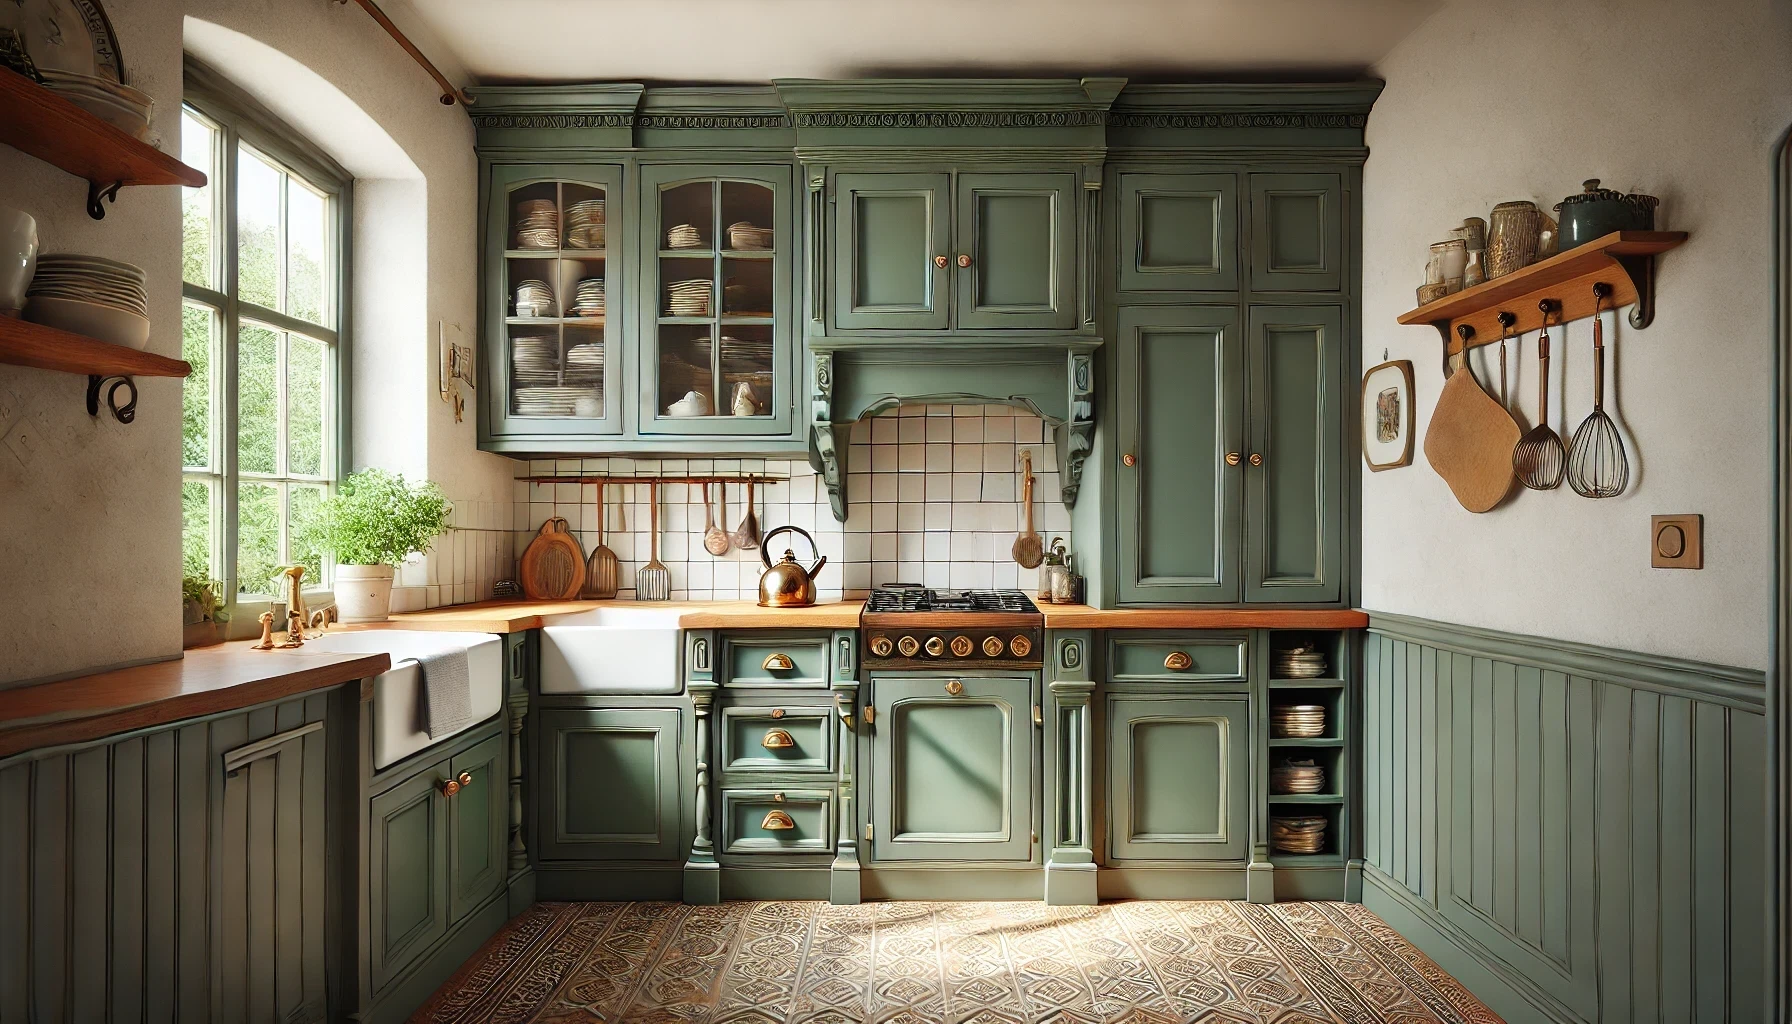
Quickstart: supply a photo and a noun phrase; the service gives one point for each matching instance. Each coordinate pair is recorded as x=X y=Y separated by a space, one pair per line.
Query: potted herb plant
x=374 y=521
x=202 y=611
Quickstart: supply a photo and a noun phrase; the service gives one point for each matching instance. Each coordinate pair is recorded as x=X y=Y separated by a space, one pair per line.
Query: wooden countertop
x=207 y=681
x=514 y=616
x=1081 y=616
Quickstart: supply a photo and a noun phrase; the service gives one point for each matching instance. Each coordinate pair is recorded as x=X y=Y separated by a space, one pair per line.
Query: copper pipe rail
x=758 y=478
x=450 y=94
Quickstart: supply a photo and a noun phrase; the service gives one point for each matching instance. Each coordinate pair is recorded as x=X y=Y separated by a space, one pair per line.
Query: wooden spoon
x=715 y=539
x=1029 y=551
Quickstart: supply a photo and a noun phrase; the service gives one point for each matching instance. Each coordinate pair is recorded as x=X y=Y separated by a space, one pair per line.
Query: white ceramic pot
x=363 y=593
x=18 y=258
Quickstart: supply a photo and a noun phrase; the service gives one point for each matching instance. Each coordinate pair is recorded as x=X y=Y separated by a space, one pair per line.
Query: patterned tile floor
x=965 y=963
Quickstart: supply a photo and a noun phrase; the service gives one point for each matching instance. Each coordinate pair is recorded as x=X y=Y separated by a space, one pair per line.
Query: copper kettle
x=788 y=584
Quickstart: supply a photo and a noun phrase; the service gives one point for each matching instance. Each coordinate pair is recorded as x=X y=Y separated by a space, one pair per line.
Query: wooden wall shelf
x=27 y=344
x=1625 y=260
x=37 y=121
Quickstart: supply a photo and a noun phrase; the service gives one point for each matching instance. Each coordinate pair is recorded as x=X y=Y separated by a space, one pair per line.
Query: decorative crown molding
x=1196 y=119
x=712 y=121
x=951 y=119
x=554 y=120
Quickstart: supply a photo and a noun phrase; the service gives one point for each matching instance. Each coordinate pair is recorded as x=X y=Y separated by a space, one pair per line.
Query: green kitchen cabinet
x=1294 y=500
x=891 y=239
x=1179 y=501
x=408 y=891
x=1178 y=779
x=611 y=783
x=1297 y=224
x=478 y=823
x=1178 y=232
x=1015 y=260
x=952 y=769
x=551 y=343
x=718 y=245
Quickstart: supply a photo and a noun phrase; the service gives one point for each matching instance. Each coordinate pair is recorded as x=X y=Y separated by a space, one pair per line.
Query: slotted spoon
x=1538 y=460
x=1597 y=466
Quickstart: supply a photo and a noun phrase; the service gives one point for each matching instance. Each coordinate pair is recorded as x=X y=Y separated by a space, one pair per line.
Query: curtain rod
x=450 y=94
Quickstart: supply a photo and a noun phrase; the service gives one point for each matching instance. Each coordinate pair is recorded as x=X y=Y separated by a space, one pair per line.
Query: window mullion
x=227 y=363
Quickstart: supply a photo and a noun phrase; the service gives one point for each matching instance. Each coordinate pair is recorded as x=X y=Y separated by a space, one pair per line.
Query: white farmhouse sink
x=398 y=692
x=611 y=651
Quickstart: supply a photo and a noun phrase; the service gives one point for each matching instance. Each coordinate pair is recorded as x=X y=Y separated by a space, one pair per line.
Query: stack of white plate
x=554 y=401
x=90 y=295
x=585 y=224
x=1304 y=662
x=534 y=360
x=534 y=298
x=537 y=224
x=743 y=235
x=684 y=236
x=690 y=298
x=745 y=355
x=118 y=105
x=585 y=364
x=588 y=300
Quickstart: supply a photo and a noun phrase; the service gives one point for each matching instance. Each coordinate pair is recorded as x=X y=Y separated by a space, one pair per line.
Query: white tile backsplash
x=932 y=499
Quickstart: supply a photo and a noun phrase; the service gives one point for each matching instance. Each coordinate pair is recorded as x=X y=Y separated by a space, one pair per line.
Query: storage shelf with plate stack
x=716 y=358
x=556 y=326
x=1309 y=769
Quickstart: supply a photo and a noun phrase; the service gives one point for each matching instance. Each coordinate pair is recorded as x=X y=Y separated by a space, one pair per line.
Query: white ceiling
x=758 y=40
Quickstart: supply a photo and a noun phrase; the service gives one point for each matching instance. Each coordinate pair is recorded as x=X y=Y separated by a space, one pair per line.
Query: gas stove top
x=917 y=628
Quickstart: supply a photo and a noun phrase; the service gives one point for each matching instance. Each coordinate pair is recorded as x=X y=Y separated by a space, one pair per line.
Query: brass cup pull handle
x=778 y=663
x=778 y=739
x=1256 y=459
x=1178 y=661
x=1129 y=460
x=954 y=687
x=964 y=260
x=449 y=787
x=777 y=821
x=1233 y=458
x=940 y=261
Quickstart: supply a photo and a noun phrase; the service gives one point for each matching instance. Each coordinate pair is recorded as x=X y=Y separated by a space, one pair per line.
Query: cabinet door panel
x=1178 y=778
x=953 y=772
x=1178 y=232
x=611 y=785
x=1294 y=500
x=1297 y=227
x=479 y=824
x=1020 y=232
x=1180 y=411
x=887 y=230
x=408 y=858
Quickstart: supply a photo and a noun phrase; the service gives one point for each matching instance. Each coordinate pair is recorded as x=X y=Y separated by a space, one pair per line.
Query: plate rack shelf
x=109 y=368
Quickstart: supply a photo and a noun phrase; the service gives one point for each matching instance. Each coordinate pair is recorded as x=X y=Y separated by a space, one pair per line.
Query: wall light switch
x=1677 y=542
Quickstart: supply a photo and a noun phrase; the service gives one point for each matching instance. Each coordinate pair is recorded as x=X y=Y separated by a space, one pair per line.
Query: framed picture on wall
x=1387 y=415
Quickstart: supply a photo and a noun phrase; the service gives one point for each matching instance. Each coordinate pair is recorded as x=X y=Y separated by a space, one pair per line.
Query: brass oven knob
x=881 y=646
x=1020 y=646
x=962 y=646
x=992 y=647
x=908 y=645
x=935 y=646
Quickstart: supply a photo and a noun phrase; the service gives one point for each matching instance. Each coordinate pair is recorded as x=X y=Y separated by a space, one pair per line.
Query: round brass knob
x=935 y=646
x=964 y=260
x=908 y=645
x=992 y=647
x=954 y=687
x=1020 y=646
x=449 y=787
x=962 y=646
x=1129 y=459
x=1178 y=661
x=1256 y=460
x=777 y=712
x=939 y=261
x=1233 y=458
x=881 y=646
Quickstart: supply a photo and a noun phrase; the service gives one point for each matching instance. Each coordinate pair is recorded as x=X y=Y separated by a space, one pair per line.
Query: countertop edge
x=1085 y=617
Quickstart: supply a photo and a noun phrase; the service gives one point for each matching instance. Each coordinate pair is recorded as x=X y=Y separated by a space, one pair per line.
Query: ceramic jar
x=18 y=258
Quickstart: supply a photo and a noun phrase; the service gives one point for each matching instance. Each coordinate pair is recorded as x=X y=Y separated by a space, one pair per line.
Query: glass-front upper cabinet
x=716 y=301
x=551 y=370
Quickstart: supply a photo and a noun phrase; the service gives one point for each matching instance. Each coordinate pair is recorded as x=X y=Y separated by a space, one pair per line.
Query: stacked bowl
x=118 y=105
x=90 y=295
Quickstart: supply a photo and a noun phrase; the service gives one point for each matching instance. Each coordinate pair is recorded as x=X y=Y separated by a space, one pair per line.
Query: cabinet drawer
x=1189 y=658
x=755 y=660
x=778 y=739
x=777 y=821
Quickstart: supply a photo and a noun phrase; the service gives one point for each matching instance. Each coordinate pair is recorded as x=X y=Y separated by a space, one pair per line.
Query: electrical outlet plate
x=1677 y=542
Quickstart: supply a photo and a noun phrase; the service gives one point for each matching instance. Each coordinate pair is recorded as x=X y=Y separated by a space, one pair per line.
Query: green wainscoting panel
x=1179 y=505
x=612 y=784
x=1020 y=231
x=1298 y=224
x=479 y=824
x=952 y=773
x=1583 y=823
x=1178 y=232
x=1294 y=500
x=888 y=227
x=1178 y=778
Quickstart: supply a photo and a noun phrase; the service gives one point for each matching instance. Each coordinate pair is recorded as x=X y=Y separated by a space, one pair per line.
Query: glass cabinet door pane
x=748 y=365
x=687 y=216
x=686 y=370
x=747 y=216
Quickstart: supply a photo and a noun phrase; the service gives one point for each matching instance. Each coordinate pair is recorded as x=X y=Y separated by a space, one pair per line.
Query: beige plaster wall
x=1524 y=99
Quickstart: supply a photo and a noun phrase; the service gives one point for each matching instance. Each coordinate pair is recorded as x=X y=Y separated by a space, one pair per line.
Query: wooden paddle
x=1470 y=440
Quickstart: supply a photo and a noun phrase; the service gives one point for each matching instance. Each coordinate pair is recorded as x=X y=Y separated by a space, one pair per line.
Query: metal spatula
x=654 y=581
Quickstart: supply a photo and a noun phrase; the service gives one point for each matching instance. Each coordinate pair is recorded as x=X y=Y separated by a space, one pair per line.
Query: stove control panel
x=889 y=647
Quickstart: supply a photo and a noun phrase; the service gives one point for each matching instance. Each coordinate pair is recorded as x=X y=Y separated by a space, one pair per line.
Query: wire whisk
x=1597 y=466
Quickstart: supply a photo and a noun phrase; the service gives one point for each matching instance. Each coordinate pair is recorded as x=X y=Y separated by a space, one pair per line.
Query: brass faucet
x=295 y=605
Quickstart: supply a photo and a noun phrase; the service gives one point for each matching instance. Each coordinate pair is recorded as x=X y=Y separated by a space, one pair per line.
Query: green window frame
x=265 y=271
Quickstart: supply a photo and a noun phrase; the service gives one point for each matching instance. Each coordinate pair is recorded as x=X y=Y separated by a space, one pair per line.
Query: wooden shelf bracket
x=95 y=193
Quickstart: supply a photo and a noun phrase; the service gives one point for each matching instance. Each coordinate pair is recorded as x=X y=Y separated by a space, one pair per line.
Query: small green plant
x=377 y=518
x=201 y=595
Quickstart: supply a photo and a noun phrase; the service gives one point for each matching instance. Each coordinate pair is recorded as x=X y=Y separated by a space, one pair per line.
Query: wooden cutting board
x=553 y=566
x=1470 y=441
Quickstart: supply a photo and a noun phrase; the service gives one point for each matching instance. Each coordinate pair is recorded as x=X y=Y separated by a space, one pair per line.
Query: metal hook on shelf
x=122 y=413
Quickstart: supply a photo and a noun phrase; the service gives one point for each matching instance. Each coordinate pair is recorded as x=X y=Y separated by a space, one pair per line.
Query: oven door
x=952 y=768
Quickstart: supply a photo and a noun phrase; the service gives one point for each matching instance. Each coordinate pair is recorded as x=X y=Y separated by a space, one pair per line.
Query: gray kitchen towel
x=447 y=693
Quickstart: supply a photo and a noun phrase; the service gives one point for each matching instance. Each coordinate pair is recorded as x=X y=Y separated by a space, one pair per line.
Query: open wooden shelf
x=37 y=121
x=1625 y=260
x=27 y=344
